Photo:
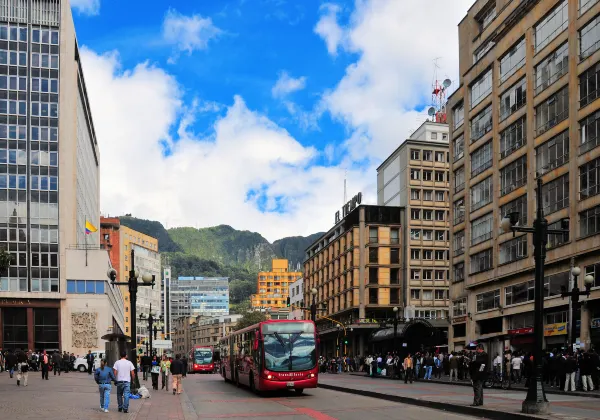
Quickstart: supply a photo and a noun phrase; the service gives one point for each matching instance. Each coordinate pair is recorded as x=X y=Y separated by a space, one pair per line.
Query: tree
x=240 y=290
x=5 y=260
x=250 y=318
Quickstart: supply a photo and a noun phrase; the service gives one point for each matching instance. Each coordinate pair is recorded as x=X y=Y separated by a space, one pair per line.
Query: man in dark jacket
x=478 y=372
x=177 y=372
x=11 y=362
x=56 y=362
x=146 y=362
x=89 y=358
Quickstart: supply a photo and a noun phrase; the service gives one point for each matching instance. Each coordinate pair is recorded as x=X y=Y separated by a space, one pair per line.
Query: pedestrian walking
x=124 y=372
x=408 y=369
x=22 y=369
x=478 y=372
x=89 y=358
x=145 y=362
x=177 y=372
x=184 y=361
x=56 y=362
x=570 y=369
x=104 y=377
x=165 y=370
x=11 y=362
x=45 y=362
x=454 y=360
x=155 y=371
x=587 y=368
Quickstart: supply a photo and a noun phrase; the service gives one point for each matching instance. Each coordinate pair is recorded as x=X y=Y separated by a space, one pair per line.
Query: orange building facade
x=272 y=286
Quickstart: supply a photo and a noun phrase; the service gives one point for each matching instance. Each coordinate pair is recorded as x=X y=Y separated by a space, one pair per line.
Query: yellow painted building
x=272 y=286
x=129 y=238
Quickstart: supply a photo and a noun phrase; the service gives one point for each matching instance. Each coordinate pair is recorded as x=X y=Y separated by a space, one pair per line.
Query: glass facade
x=192 y=296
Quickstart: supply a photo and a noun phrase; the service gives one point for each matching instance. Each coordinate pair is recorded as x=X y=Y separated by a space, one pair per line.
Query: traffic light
x=288 y=302
x=345 y=341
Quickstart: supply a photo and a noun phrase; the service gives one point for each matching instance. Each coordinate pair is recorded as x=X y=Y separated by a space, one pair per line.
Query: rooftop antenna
x=437 y=111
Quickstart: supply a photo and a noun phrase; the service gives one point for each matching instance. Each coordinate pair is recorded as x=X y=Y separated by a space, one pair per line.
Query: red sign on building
x=521 y=331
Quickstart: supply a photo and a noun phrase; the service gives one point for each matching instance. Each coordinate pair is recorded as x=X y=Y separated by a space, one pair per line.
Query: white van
x=81 y=363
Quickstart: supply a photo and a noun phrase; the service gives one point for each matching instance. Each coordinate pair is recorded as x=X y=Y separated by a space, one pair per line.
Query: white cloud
x=328 y=28
x=86 y=7
x=188 y=33
x=205 y=181
x=396 y=43
x=286 y=84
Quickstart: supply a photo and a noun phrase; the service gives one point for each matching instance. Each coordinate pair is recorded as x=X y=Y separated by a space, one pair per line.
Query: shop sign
x=348 y=207
x=595 y=323
x=521 y=331
x=459 y=319
x=555 y=329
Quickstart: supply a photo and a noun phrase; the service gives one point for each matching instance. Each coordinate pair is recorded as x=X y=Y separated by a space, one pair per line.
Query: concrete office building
x=296 y=293
x=208 y=331
x=49 y=169
x=526 y=106
x=416 y=177
x=193 y=296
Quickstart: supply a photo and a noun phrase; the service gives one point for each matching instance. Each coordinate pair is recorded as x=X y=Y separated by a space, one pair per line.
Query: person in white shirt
x=125 y=373
x=516 y=368
x=497 y=364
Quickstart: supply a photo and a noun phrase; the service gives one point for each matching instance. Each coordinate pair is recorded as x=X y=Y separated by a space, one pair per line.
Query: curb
x=551 y=391
x=443 y=406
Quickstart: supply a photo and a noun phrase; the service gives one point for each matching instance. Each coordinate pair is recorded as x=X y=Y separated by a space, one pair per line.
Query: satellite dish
x=446 y=83
x=431 y=111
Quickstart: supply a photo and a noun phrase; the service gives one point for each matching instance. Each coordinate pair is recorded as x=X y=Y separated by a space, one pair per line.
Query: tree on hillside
x=250 y=318
x=240 y=290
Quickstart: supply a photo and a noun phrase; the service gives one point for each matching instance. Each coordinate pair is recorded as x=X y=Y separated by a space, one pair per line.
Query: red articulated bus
x=272 y=355
x=200 y=359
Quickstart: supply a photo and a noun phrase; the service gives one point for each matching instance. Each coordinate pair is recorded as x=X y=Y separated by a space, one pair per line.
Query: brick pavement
x=495 y=399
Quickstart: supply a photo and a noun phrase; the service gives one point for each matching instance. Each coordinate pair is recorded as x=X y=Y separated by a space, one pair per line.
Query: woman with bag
x=165 y=369
x=22 y=369
x=155 y=371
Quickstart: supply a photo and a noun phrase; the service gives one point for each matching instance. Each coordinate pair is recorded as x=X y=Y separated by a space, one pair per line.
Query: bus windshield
x=289 y=346
x=203 y=356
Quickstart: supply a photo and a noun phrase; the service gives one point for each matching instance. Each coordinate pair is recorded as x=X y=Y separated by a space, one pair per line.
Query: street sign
x=162 y=344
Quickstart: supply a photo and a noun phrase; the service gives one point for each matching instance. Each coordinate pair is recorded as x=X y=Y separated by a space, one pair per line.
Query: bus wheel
x=299 y=391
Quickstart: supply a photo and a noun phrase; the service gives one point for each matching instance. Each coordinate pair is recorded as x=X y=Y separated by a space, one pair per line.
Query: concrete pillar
x=584 y=331
x=450 y=338
x=30 y=328
x=361 y=344
x=362 y=251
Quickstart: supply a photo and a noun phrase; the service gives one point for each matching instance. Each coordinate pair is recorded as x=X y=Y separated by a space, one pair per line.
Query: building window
x=483 y=50
x=373 y=275
x=427 y=155
x=439 y=156
x=584 y=6
x=414 y=194
x=552 y=68
x=488 y=300
x=95 y=287
x=481 y=124
x=373 y=235
x=481 y=88
x=459 y=179
x=459 y=147
x=415 y=254
x=458 y=115
x=588 y=85
x=427 y=214
x=589 y=179
x=553 y=153
x=481 y=159
x=552 y=111
x=433 y=135
x=395 y=256
x=439 y=176
x=427 y=254
x=481 y=229
x=589 y=137
x=427 y=195
x=486 y=15
x=513 y=250
x=594 y=271
x=513 y=175
x=427 y=294
x=373 y=255
x=513 y=138
x=415 y=294
x=427 y=175
x=427 y=235
x=551 y=25
x=440 y=235
x=589 y=222
x=519 y=293
x=482 y=261
x=439 y=274
x=459 y=211
x=440 y=294
x=554 y=241
x=459 y=271
x=554 y=283
x=589 y=38
x=415 y=174
x=415 y=214
x=439 y=215
x=440 y=196
x=513 y=60
x=415 y=234
x=513 y=99
x=373 y=296
x=481 y=194
x=415 y=274
x=394 y=236
x=555 y=195
x=427 y=275
x=459 y=307
x=441 y=255
x=517 y=205
x=414 y=154
x=459 y=243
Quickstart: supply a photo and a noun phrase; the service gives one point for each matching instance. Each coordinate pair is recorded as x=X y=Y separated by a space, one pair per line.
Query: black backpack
x=24 y=367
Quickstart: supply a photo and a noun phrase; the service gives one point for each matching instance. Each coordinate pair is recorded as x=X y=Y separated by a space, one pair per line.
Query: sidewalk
x=514 y=386
x=498 y=404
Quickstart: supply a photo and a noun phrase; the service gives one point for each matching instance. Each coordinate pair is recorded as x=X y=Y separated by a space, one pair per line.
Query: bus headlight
x=312 y=375
x=269 y=377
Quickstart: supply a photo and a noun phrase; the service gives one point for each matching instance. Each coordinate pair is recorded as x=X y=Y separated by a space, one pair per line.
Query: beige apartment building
x=526 y=107
x=416 y=177
x=201 y=331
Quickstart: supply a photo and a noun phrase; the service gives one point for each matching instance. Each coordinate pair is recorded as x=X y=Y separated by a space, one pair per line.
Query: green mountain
x=221 y=251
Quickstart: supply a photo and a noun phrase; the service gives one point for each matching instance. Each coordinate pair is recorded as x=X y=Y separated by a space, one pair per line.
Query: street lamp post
x=151 y=320
x=132 y=282
x=574 y=294
x=313 y=305
x=395 y=328
x=536 y=401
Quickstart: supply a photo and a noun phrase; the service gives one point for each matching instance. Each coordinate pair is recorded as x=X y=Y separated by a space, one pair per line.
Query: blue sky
x=251 y=112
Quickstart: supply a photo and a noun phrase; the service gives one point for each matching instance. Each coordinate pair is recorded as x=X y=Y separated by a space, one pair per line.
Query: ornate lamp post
x=396 y=320
x=574 y=294
x=313 y=305
x=148 y=281
x=536 y=401
x=151 y=320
